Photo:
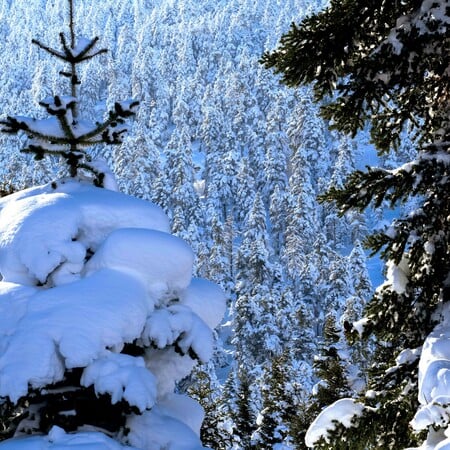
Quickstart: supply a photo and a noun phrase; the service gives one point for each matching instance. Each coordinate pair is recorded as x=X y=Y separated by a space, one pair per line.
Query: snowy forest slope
x=237 y=162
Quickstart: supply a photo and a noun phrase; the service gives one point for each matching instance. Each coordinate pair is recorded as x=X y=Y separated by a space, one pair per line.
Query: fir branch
x=98 y=176
x=62 y=119
x=115 y=116
x=49 y=50
x=14 y=126
x=67 y=52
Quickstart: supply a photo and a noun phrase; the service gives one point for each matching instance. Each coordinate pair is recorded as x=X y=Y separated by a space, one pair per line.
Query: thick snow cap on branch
x=163 y=263
x=46 y=232
x=343 y=411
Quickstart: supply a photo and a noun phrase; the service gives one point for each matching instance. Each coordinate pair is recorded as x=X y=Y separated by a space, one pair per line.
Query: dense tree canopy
x=386 y=61
x=386 y=64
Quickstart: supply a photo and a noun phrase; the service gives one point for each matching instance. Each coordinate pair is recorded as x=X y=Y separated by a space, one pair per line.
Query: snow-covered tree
x=99 y=314
x=389 y=70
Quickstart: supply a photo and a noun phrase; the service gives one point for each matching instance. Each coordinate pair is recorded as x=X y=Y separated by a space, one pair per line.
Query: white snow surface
x=434 y=385
x=45 y=232
x=84 y=271
x=161 y=428
x=67 y=326
x=211 y=311
x=342 y=411
x=58 y=439
x=122 y=376
x=163 y=263
x=396 y=276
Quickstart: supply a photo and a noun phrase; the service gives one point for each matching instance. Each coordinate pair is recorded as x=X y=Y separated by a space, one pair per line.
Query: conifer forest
x=224 y=224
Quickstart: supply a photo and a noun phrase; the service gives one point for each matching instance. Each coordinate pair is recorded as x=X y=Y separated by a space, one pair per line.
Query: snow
x=174 y=416
x=168 y=367
x=85 y=271
x=210 y=311
x=396 y=276
x=124 y=378
x=163 y=263
x=81 y=216
x=178 y=325
x=82 y=44
x=58 y=103
x=108 y=308
x=359 y=325
x=58 y=439
x=160 y=429
x=343 y=411
x=408 y=356
x=430 y=10
x=434 y=366
x=434 y=385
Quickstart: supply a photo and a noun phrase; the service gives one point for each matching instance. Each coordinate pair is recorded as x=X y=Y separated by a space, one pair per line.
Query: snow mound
x=163 y=263
x=206 y=299
x=178 y=325
x=47 y=232
x=161 y=428
x=343 y=411
x=58 y=439
x=69 y=326
x=92 y=280
x=434 y=385
x=124 y=378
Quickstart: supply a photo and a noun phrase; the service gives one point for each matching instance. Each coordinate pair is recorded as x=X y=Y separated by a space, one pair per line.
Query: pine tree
x=66 y=135
x=205 y=388
x=277 y=406
x=256 y=335
x=389 y=70
x=330 y=368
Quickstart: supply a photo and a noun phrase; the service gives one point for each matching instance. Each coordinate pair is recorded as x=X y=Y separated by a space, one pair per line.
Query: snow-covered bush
x=98 y=308
x=99 y=314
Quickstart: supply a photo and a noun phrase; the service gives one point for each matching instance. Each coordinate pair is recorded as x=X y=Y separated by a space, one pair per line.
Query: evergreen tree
x=218 y=261
x=239 y=409
x=88 y=350
x=182 y=199
x=329 y=367
x=331 y=370
x=205 y=388
x=388 y=69
x=277 y=214
x=277 y=406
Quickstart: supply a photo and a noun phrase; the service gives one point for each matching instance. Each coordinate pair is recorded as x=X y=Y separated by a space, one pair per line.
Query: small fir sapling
x=64 y=133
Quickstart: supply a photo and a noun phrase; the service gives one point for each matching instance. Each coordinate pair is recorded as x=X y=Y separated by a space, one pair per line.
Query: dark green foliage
x=245 y=420
x=329 y=368
x=278 y=404
x=207 y=393
x=65 y=404
x=6 y=188
x=334 y=49
x=385 y=64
